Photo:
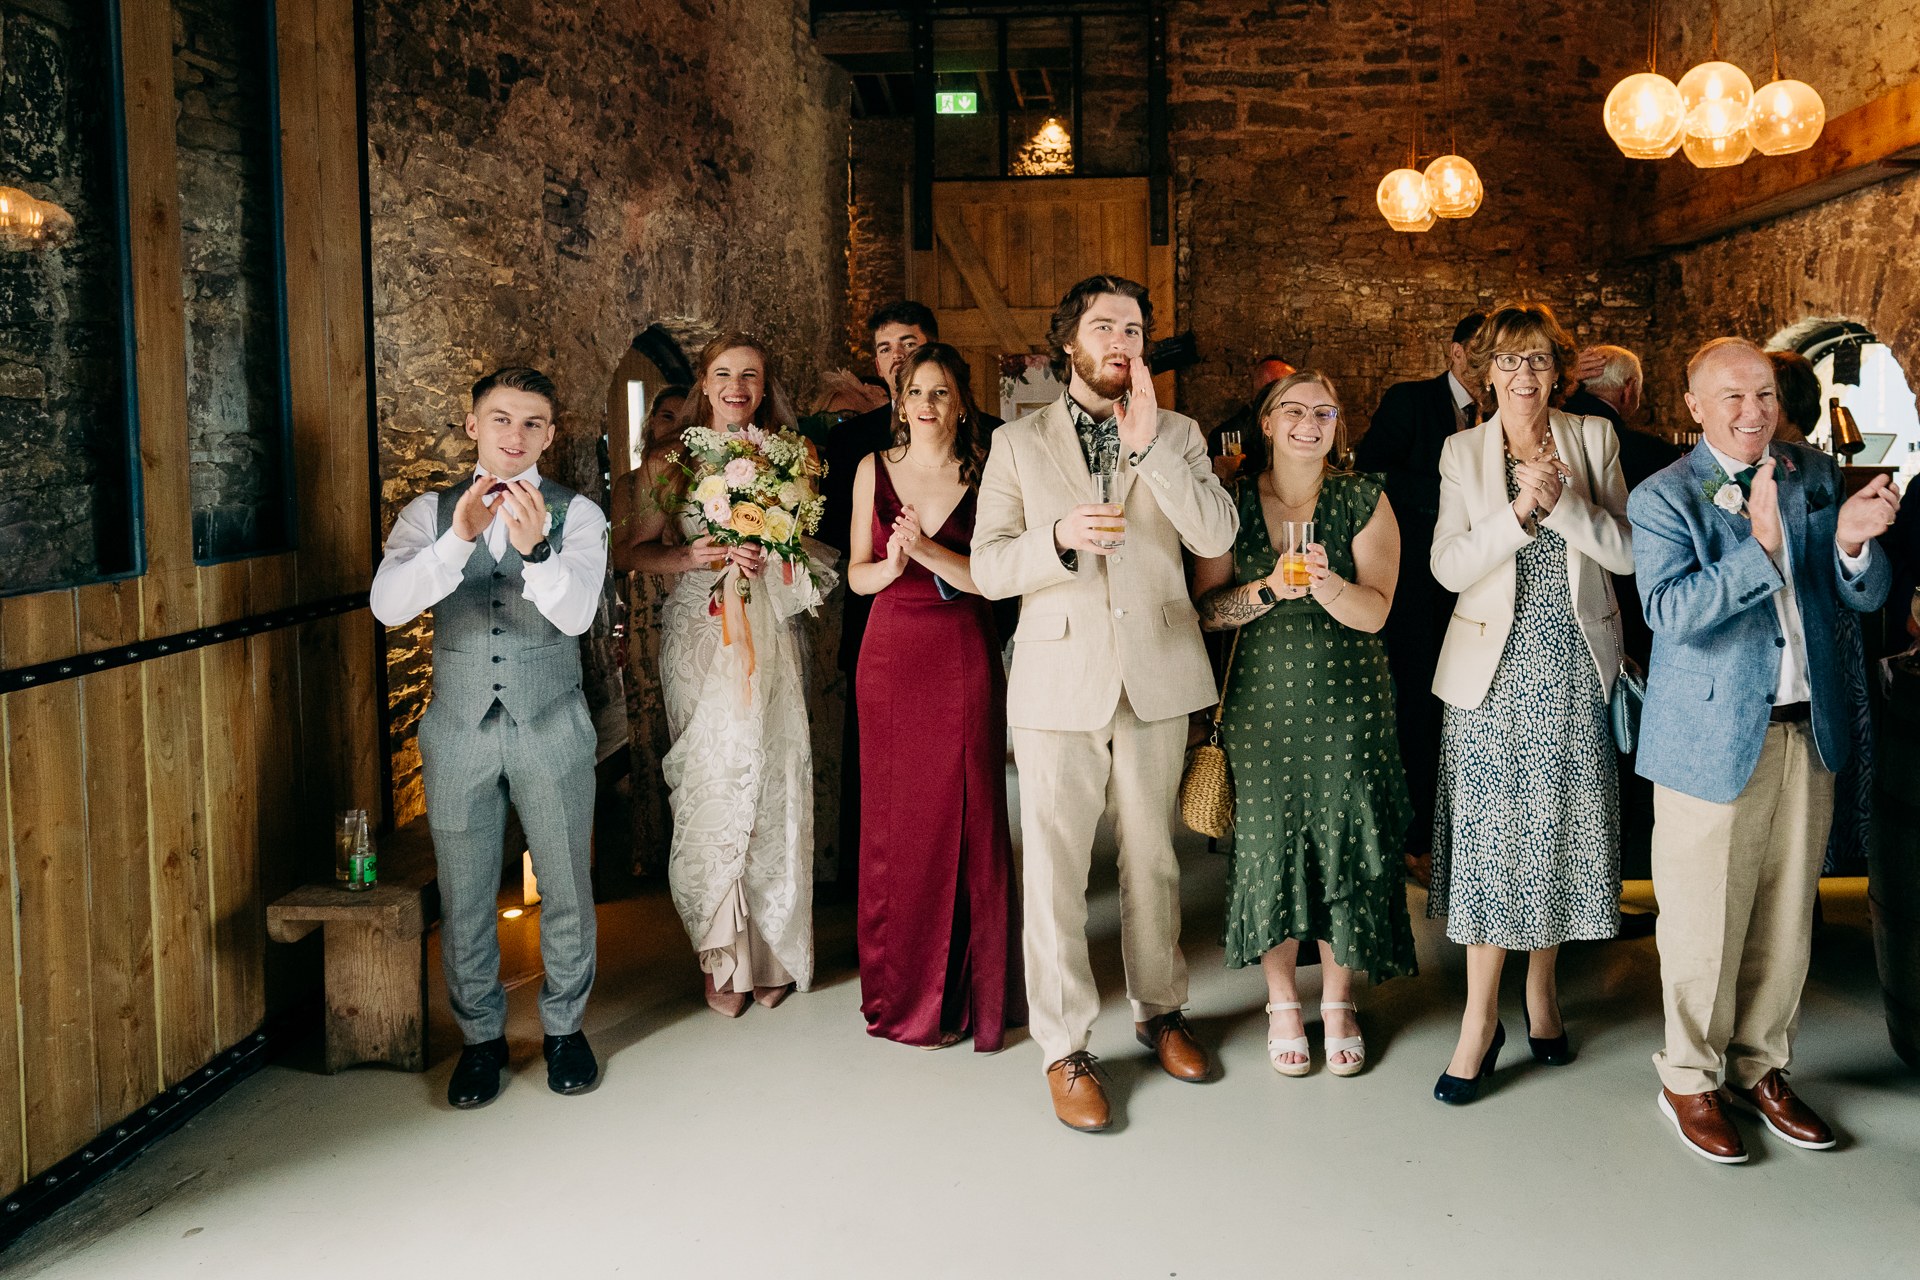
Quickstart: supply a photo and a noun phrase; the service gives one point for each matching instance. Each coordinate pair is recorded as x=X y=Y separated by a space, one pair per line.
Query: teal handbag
x=1629 y=695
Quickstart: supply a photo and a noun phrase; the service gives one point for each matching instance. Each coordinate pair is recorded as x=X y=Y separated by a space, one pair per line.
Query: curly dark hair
x=969 y=440
x=1066 y=317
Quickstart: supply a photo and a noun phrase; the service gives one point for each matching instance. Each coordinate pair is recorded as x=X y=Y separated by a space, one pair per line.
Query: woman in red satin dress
x=939 y=913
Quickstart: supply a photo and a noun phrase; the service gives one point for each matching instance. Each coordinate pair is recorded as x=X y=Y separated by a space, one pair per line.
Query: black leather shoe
x=476 y=1077
x=570 y=1063
x=1552 y=1052
x=1458 y=1092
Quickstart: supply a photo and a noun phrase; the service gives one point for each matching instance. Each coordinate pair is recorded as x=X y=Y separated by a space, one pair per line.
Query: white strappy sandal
x=1355 y=1045
x=1298 y=1045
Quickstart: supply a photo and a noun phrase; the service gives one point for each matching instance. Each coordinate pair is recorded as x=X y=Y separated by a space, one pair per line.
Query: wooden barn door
x=1004 y=253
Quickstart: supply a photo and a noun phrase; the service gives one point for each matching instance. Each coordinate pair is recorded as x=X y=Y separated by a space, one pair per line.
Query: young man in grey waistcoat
x=511 y=565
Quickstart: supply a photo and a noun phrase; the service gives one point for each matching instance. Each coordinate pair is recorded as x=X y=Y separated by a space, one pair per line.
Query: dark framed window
x=233 y=278
x=70 y=502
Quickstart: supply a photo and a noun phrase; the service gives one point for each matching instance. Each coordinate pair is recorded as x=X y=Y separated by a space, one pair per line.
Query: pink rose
x=718 y=509
x=739 y=473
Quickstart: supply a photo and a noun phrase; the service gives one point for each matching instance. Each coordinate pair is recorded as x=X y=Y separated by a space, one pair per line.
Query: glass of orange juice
x=1296 y=534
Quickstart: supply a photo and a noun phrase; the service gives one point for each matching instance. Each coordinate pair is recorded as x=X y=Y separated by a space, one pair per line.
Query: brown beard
x=1108 y=389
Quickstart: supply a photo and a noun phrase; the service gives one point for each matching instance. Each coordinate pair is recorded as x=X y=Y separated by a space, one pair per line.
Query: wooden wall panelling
x=13 y=1152
x=287 y=852
x=168 y=604
x=232 y=851
x=47 y=800
x=120 y=882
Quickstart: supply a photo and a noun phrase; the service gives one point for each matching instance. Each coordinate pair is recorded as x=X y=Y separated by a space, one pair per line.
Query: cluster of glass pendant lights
x=1714 y=114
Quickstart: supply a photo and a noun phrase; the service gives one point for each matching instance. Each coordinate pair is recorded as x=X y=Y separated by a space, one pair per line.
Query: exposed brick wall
x=548 y=180
x=1285 y=117
x=1848 y=259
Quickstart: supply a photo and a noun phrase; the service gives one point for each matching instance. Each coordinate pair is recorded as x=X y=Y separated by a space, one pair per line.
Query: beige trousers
x=1736 y=884
x=1066 y=783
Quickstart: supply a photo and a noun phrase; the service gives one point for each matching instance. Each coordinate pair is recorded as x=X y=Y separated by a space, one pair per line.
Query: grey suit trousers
x=546 y=769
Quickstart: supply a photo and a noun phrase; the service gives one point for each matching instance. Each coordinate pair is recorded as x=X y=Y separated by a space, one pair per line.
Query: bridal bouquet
x=753 y=487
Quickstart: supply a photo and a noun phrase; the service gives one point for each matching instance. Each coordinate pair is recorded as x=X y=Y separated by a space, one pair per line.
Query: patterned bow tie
x=1744 y=478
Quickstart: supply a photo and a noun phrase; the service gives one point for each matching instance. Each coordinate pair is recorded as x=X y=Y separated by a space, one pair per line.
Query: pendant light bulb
x=1404 y=200
x=1716 y=98
x=1787 y=116
x=1643 y=116
x=1454 y=188
x=1719 y=153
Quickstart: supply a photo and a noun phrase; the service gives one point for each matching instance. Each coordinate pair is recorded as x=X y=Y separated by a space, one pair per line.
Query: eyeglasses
x=1507 y=361
x=1294 y=411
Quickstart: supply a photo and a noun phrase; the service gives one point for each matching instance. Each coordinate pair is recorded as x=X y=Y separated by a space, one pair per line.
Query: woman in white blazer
x=1533 y=519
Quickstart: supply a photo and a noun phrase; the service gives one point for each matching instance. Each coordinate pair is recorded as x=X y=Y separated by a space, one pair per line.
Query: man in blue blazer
x=1744 y=553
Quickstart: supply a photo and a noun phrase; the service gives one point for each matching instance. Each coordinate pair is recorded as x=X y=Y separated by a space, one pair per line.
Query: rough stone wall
x=880 y=163
x=1285 y=117
x=1848 y=259
x=550 y=178
x=222 y=129
x=1851 y=51
x=63 y=495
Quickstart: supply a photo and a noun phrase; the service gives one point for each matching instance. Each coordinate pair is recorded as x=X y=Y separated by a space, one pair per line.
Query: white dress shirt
x=1793 y=686
x=421 y=569
x=1461 y=399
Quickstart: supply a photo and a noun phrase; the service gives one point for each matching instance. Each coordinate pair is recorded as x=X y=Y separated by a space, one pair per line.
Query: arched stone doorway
x=1864 y=374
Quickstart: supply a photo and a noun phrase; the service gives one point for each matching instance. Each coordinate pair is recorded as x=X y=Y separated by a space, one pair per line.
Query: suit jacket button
x=1779 y=642
x=1769 y=696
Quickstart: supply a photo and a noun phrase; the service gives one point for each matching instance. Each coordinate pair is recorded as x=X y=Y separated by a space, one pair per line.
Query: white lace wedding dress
x=740 y=779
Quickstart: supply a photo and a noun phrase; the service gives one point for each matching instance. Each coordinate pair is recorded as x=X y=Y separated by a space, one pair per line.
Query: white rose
x=1728 y=498
x=714 y=486
x=779 y=525
x=791 y=495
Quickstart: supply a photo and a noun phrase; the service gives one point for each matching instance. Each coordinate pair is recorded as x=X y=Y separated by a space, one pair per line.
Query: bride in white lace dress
x=740 y=772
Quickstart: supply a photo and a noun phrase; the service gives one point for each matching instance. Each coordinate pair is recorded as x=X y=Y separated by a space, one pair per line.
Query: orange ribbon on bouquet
x=733 y=618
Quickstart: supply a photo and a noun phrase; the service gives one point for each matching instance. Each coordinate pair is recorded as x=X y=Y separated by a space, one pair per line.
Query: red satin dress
x=939 y=916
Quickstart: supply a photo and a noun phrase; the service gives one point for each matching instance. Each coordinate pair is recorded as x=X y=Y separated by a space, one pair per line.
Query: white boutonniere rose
x=1729 y=499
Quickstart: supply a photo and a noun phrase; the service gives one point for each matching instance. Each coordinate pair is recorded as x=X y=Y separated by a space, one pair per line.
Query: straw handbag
x=1206 y=783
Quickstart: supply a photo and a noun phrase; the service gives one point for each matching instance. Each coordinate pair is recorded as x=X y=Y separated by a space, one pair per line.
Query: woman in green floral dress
x=1323 y=811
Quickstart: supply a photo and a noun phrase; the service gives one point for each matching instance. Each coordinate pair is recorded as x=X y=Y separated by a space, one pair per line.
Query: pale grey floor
x=790 y=1144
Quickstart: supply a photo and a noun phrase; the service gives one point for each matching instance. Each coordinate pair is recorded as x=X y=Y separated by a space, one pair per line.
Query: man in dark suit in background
x=1403 y=443
x=1610 y=387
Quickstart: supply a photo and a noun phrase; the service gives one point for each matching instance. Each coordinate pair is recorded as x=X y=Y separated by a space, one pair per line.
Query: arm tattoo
x=1230 y=606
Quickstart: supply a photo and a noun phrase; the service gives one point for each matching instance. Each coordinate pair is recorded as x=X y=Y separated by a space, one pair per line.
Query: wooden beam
x=973 y=269
x=1869 y=144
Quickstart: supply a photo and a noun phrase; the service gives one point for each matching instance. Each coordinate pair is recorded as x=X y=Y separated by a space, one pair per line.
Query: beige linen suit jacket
x=1477 y=537
x=1119 y=621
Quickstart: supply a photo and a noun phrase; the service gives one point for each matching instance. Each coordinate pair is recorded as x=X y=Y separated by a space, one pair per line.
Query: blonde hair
x=1270 y=399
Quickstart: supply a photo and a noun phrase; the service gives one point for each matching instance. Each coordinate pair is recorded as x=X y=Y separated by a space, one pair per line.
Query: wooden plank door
x=1004 y=252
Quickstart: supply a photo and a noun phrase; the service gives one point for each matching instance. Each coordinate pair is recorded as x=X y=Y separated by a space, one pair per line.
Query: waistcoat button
x=497 y=688
x=498 y=574
x=497 y=630
x=497 y=658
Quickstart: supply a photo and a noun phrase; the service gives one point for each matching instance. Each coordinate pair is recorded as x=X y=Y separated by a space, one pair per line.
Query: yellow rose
x=779 y=525
x=749 y=519
x=714 y=486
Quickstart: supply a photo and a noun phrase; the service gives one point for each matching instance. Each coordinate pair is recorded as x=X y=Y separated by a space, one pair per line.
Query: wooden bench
x=376 y=952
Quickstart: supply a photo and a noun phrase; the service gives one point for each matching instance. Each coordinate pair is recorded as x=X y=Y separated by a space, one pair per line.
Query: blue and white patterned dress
x=1526 y=829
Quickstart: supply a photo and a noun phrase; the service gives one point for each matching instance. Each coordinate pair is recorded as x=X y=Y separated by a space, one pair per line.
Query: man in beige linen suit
x=1107 y=663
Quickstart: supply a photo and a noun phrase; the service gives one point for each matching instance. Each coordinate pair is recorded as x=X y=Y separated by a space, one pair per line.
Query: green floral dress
x=1322 y=810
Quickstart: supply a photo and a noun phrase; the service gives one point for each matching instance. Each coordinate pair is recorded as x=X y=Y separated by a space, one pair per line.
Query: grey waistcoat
x=489 y=641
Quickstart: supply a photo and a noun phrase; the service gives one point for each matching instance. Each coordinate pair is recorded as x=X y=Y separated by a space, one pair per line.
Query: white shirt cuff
x=1853 y=566
x=452 y=551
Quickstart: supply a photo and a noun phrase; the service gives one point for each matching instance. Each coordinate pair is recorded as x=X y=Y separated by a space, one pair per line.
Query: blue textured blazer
x=1708 y=587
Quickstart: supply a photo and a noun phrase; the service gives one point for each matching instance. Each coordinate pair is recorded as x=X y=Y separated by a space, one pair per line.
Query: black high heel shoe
x=1458 y=1092
x=1551 y=1053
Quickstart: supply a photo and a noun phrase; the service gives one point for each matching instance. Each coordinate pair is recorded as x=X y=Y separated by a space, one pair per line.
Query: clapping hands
x=904 y=540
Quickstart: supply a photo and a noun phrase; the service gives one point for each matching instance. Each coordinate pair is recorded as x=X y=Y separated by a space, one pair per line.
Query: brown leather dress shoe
x=1172 y=1041
x=1078 y=1099
x=1703 y=1125
x=1783 y=1112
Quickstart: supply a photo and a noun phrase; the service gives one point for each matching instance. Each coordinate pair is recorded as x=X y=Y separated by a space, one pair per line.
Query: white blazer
x=1477 y=537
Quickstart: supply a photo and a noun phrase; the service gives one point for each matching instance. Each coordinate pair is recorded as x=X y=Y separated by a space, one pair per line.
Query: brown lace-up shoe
x=1703 y=1125
x=1783 y=1112
x=1078 y=1099
x=1172 y=1041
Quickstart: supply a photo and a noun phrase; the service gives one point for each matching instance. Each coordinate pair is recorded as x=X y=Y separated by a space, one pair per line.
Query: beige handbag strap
x=1226 y=676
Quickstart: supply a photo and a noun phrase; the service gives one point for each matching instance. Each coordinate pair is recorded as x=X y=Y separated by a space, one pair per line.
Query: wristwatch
x=1266 y=593
x=540 y=553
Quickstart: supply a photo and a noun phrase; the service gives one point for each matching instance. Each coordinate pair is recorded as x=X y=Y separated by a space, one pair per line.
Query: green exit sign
x=956 y=104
